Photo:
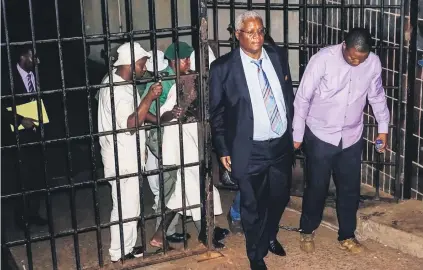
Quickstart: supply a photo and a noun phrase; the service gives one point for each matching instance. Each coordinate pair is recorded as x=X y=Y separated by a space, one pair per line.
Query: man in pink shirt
x=329 y=120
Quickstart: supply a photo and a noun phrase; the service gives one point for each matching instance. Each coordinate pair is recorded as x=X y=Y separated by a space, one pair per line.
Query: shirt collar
x=117 y=78
x=23 y=73
x=246 y=59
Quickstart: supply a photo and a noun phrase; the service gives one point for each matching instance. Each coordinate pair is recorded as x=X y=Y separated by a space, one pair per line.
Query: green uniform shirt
x=166 y=84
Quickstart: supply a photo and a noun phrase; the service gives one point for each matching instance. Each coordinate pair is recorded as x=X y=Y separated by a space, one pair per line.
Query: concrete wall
x=140 y=16
x=390 y=67
x=117 y=21
x=276 y=29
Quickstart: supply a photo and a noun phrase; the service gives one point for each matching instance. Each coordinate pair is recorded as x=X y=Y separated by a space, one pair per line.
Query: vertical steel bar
x=285 y=24
x=398 y=147
x=68 y=141
x=112 y=106
x=343 y=19
x=324 y=26
x=130 y=29
x=410 y=147
x=43 y=145
x=381 y=27
x=93 y=157
x=16 y=124
x=362 y=13
x=267 y=22
x=378 y=166
x=377 y=176
x=216 y=24
x=175 y=38
x=249 y=4
x=204 y=142
x=153 y=44
x=232 y=23
x=303 y=29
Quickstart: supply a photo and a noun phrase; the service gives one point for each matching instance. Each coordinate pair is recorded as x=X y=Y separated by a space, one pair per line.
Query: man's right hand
x=226 y=162
x=28 y=123
x=297 y=145
x=155 y=91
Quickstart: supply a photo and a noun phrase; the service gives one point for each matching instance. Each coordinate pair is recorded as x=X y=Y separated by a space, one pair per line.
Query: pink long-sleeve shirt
x=332 y=95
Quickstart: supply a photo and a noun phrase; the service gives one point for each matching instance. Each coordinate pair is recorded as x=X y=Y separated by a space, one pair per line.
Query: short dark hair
x=360 y=39
x=21 y=51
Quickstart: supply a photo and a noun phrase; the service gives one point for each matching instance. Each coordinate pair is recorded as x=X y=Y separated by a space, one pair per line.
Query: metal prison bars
x=198 y=32
x=308 y=44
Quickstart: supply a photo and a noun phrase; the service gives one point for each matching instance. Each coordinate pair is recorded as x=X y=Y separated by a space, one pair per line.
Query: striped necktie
x=269 y=99
x=30 y=84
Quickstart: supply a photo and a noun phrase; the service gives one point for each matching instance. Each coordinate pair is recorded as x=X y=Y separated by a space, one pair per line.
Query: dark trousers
x=323 y=159
x=31 y=175
x=265 y=193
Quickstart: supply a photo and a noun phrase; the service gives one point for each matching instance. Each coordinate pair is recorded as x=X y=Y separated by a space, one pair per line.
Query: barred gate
x=305 y=26
x=76 y=192
x=69 y=143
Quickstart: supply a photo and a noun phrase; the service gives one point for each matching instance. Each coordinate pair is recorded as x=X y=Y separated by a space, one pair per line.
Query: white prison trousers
x=192 y=194
x=130 y=204
x=154 y=182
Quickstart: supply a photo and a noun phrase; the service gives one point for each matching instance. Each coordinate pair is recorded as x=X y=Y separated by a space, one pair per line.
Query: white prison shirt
x=126 y=142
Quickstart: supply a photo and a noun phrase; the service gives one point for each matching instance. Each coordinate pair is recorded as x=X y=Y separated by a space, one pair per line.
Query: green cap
x=185 y=50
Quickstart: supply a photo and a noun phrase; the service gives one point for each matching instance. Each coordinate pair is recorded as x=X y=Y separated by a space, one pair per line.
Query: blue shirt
x=262 y=126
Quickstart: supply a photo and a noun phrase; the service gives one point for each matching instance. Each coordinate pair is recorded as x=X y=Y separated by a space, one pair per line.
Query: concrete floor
x=328 y=256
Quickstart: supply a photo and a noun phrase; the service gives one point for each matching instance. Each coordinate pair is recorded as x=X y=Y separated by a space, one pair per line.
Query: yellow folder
x=30 y=110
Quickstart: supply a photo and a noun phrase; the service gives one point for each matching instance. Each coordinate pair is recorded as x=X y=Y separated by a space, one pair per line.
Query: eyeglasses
x=250 y=34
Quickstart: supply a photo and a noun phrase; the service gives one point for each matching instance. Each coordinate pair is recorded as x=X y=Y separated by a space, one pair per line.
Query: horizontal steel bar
x=282 y=6
x=154 y=258
x=105 y=133
x=371 y=162
x=297 y=46
x=88 y=229
x=93 y=135
x=94 y=86
x=98 y=181
x=113 y=36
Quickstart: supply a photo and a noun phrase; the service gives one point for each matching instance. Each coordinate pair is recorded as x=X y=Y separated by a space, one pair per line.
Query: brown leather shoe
x=351 y=245
x=307 y=242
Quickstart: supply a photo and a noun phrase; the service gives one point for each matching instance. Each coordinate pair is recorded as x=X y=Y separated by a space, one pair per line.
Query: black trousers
x=31 y=172
x=265 y=193
x=323 y=159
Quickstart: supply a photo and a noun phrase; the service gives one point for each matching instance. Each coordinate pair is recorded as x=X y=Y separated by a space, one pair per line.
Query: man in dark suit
x=31 y=167
x=251 y=114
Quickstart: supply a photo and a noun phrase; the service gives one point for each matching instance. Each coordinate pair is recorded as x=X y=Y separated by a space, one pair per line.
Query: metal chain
x=289 y=228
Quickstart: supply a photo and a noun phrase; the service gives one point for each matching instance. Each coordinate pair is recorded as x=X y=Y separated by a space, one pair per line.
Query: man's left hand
x=384 y=138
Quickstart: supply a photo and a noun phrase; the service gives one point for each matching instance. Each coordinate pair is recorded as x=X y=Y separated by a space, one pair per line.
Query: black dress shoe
x=177 y=237
x=276 y=248
x=220 y=233
x=215 y=242
x=225 y=178
x=137 y=252
x=258 y=265
x=234 y=225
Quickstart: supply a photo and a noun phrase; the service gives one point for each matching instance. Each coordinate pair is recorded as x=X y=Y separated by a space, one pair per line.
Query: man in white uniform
x=128 y=161
x=171 y=157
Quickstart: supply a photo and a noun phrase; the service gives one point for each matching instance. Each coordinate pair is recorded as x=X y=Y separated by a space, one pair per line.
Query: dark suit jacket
x=7 y=119
x=231 y=112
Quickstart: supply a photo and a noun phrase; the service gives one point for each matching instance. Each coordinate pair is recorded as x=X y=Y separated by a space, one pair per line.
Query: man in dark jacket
x=31 y=167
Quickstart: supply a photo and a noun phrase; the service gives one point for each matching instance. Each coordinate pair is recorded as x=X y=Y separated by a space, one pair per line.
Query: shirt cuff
x=298 y=125
x=383 y=128
x=298 y=136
